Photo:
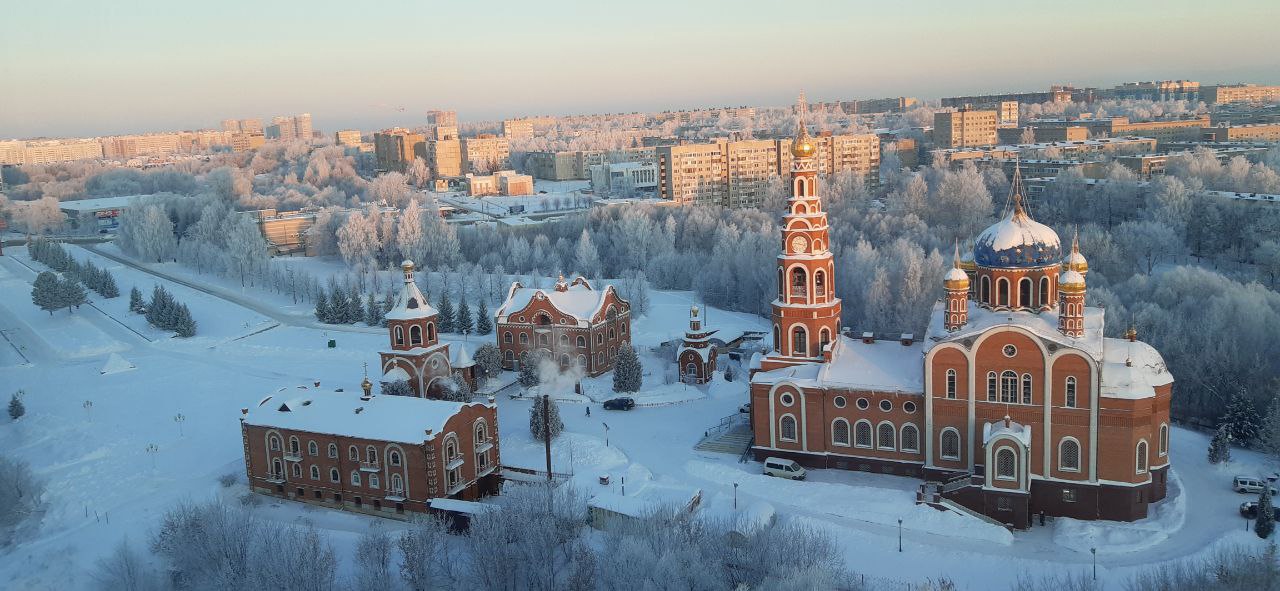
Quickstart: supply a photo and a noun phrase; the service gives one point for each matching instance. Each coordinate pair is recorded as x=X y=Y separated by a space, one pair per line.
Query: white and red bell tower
x=806 y=314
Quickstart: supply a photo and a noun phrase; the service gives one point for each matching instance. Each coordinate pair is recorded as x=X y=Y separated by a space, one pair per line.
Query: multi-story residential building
x=1240 y=93
x=748 y=167
x=282 y=128
x=884 y=105
x=856 y=153
x=438 y=118
x=395 y=149
x=1160 y=90
x=243 y=142
x=1013 y=135
x=624 y=179
x=302 y=126
x=502 y=182
x=964 y=127
x=485 y=154
x=1075 y=150
x=551 y=166
x=1056 y=94
x=1266 y=132
x=571 y=324
x=444 y=155
x=517 y=129
x=249 y=126
x=348 y=137
x=49 y=151
x=693 y=174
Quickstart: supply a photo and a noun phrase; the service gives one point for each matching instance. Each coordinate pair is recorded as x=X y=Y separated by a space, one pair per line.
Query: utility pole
x=546 y=430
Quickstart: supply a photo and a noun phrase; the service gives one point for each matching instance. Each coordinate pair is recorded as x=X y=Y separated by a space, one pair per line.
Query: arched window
x=777 y=339
x=542 y=319
x=951 y=383
x=524 y=338
x=1002 y=291
x=481 y=433
x=862 y=434
x=1044 y=291
x=334 y=476
x=824 y=337
x=397 y=483
x=985 y=290
x=1069 y=455
x=394 y=458
x=413 y=303
x=1008 y=387
x=294 y=447
x=277 y=469
x=991 y=386
x=1024 y=292
x=788 y=428
x=451 y=448
x=312 y=448
x=371 y=453
x=275 y=443
x=819 y=283
x=1026 y=388
x=297 y=470
x=545 y=339
x=910 y=438
x=373 y=481
x=1006 y=465
x=886 y=436
x=315 y=472
x=1071 y=392
x=415 y=335
x=690 y=370
x=333 y=450
x=582 y=361
x=840 y=432
x=1142 y=457
x=399 y=332
x=582 y=341
x=509 y=355
x=799 y=341
x=950 y=445
x=355 y=478
x=353 y=453
x=506 y=337
x=1164 y=439
x=799 y=282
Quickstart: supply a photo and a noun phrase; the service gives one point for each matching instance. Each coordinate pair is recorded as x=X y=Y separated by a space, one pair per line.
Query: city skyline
x=151 y=67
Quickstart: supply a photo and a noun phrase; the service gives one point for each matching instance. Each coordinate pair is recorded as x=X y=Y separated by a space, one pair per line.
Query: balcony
x=293 y=456
x=395 y=496
x=454 y=464
x=483 y=447
x=275 y=478
x=370 y=467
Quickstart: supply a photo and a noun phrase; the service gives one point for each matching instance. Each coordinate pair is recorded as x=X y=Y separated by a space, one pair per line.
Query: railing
x=293 y=456
x=722 y=426
x=275 y=477
x=369 y=467
x=746 y=453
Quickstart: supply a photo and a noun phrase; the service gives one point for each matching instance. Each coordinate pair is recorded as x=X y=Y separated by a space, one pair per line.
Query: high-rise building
x=231 y=125
x=395 y=149
x=964 y=127
x=348 y=137
x=444 y=156
x=437 y=118
x=516 y=129
x=243 y=142
x=302 y=126
x=1240 y=93
x=1160 y=90
x=485 y=154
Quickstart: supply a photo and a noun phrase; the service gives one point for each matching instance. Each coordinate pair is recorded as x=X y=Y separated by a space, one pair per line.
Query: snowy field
x=117 y=449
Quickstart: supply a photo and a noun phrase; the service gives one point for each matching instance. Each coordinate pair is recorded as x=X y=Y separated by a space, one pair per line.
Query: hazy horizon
x=86 y=69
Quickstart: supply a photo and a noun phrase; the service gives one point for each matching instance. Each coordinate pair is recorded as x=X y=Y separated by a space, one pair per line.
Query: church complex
x=1013 y=404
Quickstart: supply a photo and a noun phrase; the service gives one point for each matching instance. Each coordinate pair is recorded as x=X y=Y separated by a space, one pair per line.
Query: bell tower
x=806 y=313
x=956 y=314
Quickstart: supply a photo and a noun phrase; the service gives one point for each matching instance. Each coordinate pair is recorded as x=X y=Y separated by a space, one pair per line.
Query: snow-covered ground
x=117 y=449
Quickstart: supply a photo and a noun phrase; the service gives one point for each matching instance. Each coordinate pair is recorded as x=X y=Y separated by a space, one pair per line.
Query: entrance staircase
x=732 y=440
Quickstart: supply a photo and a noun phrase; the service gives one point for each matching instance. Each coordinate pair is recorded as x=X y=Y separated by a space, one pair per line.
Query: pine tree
x=627 y=373
x=183 y=323
x=529 y=369
x=1242 y=418
x=373 y=312
x=322 y=307
x=388 y=302
x=1266 y=522
x=1269 y=436
x=1220 y=445
x=44 y=292
x=542 y=428
x=484 y=324
x=71 y=294
x=488 y=361
x=464 y=323
x=16 y=408
x=108 y=288
x=355 y=312
x=136 y=303
x=445 y=307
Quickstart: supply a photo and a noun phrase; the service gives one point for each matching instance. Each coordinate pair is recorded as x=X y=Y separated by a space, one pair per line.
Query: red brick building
x=1013 y=404
x=417 y=356
x=573 y=323
x=696 y=358
x=383 y=455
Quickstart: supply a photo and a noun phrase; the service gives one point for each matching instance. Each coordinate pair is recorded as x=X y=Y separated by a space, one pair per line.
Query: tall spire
x=1015 y=189
x=955 y=260
x=1075 y=240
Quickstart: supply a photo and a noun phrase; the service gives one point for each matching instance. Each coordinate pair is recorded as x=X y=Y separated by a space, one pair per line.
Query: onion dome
x=1017 y=241
x=1071 y=281
x=1076 y=261
x=803 y=147
x=956 y=278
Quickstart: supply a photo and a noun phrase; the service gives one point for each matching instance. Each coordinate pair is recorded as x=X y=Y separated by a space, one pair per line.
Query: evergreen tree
x=71 y=294
x=488 y=361
x=16 y=408
x=373 y=312
x=337 y=305
x=484 y=324
x=397 y=388
x=108 y=288
x=1266 y=522
x=627 y=373
x=464 y=322
x=183 y=323
x=1242 y=418
x=355 y=311
x=1220 y=445
x=136 y=304
x=388 y=302
x=459 y=390
x=1269 y=436
x=548 y=427
x=44 y=292
x=529 y=369
x=322 y=307
x=445 y=307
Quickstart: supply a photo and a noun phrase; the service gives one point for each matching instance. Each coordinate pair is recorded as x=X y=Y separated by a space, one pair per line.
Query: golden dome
x=1071 y=281
x=803 y=147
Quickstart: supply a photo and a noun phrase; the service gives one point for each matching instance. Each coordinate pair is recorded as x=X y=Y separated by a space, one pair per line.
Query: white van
x=783 y=469
x=1249 y=484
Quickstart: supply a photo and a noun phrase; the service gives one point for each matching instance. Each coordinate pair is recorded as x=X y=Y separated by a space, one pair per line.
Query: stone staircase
x=733 y=440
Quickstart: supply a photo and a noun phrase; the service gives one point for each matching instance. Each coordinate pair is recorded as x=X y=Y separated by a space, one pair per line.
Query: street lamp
x=88 y=409
x=152 y=450
x=1094 y=551
x=606 y=433
x=179 y=419
x=899 y=534
x=735 y=496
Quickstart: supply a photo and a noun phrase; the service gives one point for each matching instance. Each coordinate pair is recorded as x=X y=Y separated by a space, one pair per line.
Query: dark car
x=745 y=409
x=619 y=404
x=1249 y=509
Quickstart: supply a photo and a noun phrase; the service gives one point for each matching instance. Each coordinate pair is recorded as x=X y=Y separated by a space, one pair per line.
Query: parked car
x=745 y=409
x=619 y=404
x=1249 y=484
x=784 y=469
x=1249 y=509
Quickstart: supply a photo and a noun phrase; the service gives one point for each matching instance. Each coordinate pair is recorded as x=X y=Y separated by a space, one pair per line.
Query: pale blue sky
x=96 y=67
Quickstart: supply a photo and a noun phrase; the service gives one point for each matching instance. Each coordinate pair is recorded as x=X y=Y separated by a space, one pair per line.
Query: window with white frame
x=840 y=432
x=886 y=436
x=315 y=472
x=353 y=453
x=1006 y=465
x=1142 y=457
x=373 y=481
x=1069 y=455
x=862 y=434
x=1071 y=392
x=275 y=443
x=397 y=484
x=788 y=428
x=991 y=386
x=333 y=450
x=355 y=478
x=951 y=383
x=312 y=448
x=1164 y=439
x=334 y=476
x=910 y=438
x=1009 y=387
x=950 y=445
x=1026 y=388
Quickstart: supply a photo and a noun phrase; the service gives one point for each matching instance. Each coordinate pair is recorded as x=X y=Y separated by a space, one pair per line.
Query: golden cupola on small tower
x=956 y=282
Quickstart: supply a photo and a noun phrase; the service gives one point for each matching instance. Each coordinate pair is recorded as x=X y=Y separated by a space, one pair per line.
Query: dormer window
x=413 y=303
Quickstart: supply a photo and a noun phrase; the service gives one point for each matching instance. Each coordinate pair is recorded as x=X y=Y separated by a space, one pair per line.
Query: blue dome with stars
x=1017 y=241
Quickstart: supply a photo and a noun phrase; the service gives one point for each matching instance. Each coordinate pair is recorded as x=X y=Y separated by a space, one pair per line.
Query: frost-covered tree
x=628 y=375
x=529 y=362
x=1241 y=418
x=464 y=323
x=147 y=233
x=107 y=287
x=587 y=256
x=373 y=560
x=410 y=240
x=1220 y=445
x=20 y=492
x=71 y=294
x=488 y=361
x=44 y=292
x=136 y=303
x=373 y=315
x=245 y=247
x=126 y=569
x=16 y=408
x=484 y=323
x=358 y=240
x=1269 y=433
x=426 y=560
x=40 y=216
x=635 y=289
x=1266 y=522
x=323 y=312
x=447 y=315
x=546 y=426
x=396 y=388
x=1150 y=242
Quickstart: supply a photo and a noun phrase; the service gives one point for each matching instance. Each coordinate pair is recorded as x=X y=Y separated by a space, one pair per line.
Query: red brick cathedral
x=1013 y=404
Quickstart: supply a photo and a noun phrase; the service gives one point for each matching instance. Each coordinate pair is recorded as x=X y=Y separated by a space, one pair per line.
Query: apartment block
x=964 y=127
x=884 y=105
x=858 y=153
x=693 y=174
x=485 y=154
x=348 y=137
x=1056 y=94
x=244 y=142
x=551 y=166
x=1258 y=132
x=1159 y=90
x=444 y=156
x=438 y=118
x=1071 y=150
x=1013 y=135
x=249 y=126
x=517 y=129
x=49 y=151
x=1240 y=93
x=395 y=149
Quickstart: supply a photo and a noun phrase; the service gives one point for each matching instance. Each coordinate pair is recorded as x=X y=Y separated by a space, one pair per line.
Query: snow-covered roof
x=703 y=352
x=461 y=357
x=1015 y=429
x=1043 y=325
x=1070 y=277
x=650 y=499
x=395 y=374
x=100 y=203
x=402 y=419
x=956 y=274
x=459 y=506
x=1017 y=241
x=411 y=304
x=882 y=366
x=1132 y=370
x=577 y=300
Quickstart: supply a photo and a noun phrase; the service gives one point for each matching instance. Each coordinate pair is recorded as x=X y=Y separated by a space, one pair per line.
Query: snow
x=116 y=364
x=1132 y=370
x=410 y=303
x=1115 y=537
x=395 y=374
x=956 y=274
x=1070 y=277
x=577 y=300
x=1017 y=230
x=403 y=419
x=882 y=366
x=1014 y=429
x=1043 y=325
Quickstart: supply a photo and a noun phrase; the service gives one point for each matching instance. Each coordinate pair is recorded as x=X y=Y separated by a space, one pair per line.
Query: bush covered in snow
x=20 y=493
